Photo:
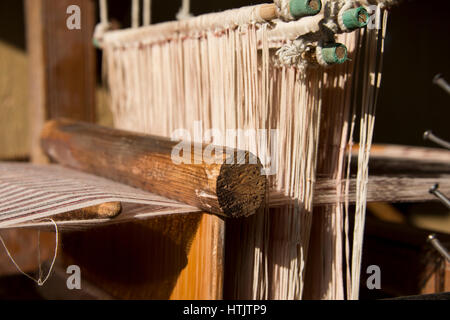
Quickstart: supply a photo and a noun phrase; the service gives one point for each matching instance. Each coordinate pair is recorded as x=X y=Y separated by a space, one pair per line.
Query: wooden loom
x=64 y=141
x=208 y=254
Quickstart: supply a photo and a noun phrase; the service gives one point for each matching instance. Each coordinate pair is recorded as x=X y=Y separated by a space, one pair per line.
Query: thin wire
x=39 y=252
x=39 y=281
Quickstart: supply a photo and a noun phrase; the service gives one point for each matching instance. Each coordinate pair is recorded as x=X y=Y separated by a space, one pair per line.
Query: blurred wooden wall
x=62 y=73
x=14 y=120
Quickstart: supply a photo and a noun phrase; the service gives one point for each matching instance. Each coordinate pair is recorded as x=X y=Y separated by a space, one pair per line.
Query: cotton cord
x=147 y=13
x=103 y=5
x=383 y=4
x=185 y=10
x=319 y=56
x=284 y=11
x=330 y=17
x=290 y=54
x=40 y=282
x=190 y=28
x=135 y=14
x=374 y=41
x=103 y=25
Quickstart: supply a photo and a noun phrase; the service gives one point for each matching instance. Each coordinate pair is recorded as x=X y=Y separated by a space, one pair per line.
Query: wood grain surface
x=216 y=184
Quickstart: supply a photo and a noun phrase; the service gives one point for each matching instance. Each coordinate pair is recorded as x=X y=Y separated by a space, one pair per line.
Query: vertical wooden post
x=203 y=276
x=62 y=83
x=175 y=257
x=62 y=65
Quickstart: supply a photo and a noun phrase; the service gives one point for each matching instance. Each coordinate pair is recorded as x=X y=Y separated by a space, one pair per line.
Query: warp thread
x=135 y=14
x=245 y=92
x=103 y=26
x=147 y=13
x=185 y=11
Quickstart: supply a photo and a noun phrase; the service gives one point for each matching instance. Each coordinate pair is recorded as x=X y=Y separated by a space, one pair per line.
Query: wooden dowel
x=268 y=11
x=102 y=211
x=231 y=185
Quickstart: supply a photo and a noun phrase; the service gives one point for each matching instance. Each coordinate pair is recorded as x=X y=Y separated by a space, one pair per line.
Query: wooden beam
x=386 y=189
x=62 y=71
x=394 y=188
x=95 y=149
x=406 y=160
x=216 y=184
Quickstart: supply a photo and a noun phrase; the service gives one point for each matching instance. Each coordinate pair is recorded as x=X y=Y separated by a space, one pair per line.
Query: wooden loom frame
x=200 y=274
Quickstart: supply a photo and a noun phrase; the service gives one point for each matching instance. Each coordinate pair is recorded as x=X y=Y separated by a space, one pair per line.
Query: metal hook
x=434 y=190
x=440 y=81
x=438 y=246
x=428 y=135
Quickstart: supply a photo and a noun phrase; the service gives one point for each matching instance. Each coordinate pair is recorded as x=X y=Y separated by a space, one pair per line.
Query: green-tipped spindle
x=303 y=8
x=355 y=18
x=335 y=53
